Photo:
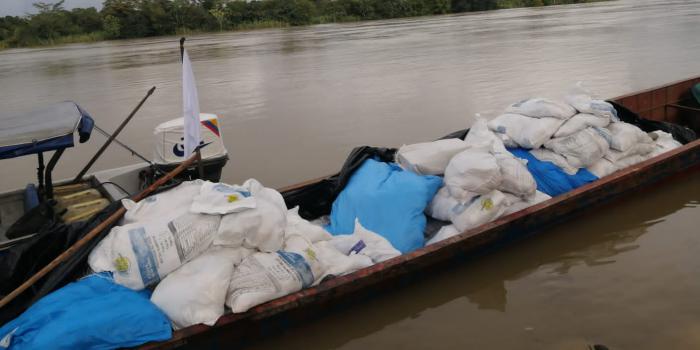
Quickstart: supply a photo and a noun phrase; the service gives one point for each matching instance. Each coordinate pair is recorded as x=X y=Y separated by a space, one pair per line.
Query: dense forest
x=119 y=19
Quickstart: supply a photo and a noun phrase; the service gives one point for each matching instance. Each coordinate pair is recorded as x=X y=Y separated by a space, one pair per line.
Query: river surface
x=293 y=102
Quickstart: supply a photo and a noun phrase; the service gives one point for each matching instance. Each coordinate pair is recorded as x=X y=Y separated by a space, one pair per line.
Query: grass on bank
x=54 y=25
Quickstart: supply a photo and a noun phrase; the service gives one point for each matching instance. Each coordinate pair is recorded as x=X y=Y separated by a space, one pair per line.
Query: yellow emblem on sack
x=122 y=264
x=310 y=253
x=232 y=198
x=486 y=204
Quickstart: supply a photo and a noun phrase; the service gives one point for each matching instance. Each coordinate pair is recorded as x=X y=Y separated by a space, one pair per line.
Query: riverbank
x=54 y=25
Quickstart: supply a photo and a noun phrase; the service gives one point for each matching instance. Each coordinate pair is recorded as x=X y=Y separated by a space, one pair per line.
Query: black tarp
x=316 y=199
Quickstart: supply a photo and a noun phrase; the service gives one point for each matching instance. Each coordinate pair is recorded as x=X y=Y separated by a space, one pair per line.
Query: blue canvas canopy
x=48 y=129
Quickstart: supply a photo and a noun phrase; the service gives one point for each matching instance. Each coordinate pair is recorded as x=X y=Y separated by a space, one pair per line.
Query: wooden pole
x=94 y=232
x=112 y=137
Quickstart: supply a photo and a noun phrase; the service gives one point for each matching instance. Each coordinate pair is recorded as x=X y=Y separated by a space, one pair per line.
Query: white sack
x=629 y=161
x=481 y=210
x=582 y=148
x=196 y=292
x=542 y=108
x=602 y=168
x=140 y=255
x=516 y=179
x=337 y=263
x=579 y=122
x=260 y=228
x=296 y=225
x=663 y=142
x=444 y=233
x=624 y=136
x=262 y=277
x=524 y=131
x=479 y=136
x=546 y=155
x=365 y=242
x=582 y=101
x=429 y=158
x=442 y=204
x=220 y=198
x=162 y=207
x=473 y=171
x=506 y=140
x=641 y=149
x=516 y=204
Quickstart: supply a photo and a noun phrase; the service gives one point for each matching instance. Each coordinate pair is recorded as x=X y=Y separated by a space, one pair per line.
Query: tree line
x=121 y=19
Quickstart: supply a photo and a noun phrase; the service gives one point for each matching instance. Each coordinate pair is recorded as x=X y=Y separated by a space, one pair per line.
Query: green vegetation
x=120 y=19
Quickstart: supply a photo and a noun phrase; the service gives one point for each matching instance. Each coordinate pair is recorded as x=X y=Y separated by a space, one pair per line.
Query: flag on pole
x=190 y=106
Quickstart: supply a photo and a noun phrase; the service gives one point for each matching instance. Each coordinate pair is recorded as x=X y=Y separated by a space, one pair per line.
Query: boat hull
x=338 y=293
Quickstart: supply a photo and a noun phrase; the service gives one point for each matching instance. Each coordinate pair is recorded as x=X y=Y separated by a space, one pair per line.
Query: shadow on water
x=593 y=239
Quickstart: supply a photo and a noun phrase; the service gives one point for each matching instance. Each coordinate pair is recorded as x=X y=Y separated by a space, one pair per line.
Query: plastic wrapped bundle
x=599 y=108
x=582 y=148
x=542 y=108
x=516 y=179
x=624 y=136
x=472 y=172
x=140 y=255
x=520 y=131
x=429 y=158
x=546 y=155
x=196 y=292
x=602 y=168
x=259 y=228
x=580 y=122
x=480 y=210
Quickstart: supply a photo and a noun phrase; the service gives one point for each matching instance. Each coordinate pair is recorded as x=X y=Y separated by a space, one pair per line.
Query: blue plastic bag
x=549 y=177
x=92 y=313
x=388 y=201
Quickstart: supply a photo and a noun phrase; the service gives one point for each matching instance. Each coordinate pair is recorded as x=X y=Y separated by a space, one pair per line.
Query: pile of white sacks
x=205 y=246
x=579 y=133
x=483 y=181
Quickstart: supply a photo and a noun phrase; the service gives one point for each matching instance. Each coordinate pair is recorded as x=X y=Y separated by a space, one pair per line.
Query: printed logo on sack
x=223 y=188
x=357 y=248
x=121 y=264
x=179 y=148
x=486 y=204
x=145 y=257
x=299 y=265
x=311 y=254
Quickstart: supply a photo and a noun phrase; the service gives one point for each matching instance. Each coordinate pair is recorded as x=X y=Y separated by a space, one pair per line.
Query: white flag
x=190 y=106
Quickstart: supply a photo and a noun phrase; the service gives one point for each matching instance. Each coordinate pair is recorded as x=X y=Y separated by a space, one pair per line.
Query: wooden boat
x=672 y=103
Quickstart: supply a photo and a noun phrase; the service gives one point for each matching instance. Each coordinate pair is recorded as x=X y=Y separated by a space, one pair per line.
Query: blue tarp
x=92 y=313
x=549 y=177
x=46 y=130
x=388 y=201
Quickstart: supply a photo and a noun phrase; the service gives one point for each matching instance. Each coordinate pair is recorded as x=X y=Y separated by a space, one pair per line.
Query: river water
x=293 y=102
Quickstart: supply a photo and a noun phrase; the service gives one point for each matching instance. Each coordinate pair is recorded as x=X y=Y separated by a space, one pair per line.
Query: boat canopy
x=48 y=129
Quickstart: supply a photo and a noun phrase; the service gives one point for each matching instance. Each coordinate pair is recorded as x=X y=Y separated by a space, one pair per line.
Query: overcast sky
x=21 y=7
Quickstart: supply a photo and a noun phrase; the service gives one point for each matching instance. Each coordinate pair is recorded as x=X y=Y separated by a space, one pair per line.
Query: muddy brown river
x=293 y=102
